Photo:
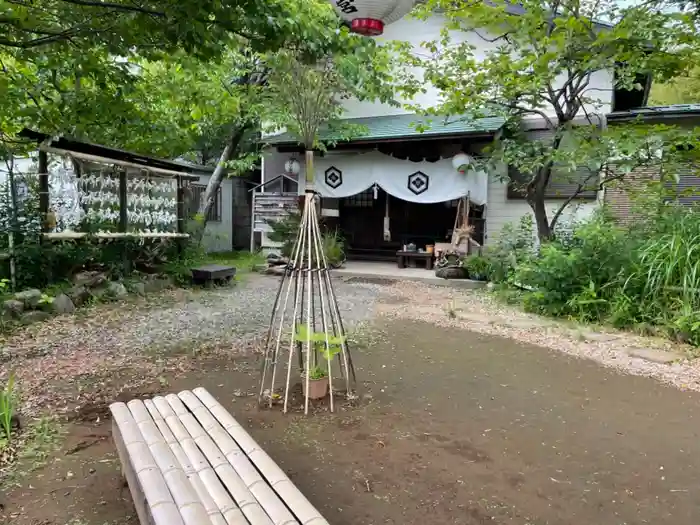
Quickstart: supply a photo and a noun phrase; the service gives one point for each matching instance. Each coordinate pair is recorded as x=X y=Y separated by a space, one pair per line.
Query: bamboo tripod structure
x=305 y=302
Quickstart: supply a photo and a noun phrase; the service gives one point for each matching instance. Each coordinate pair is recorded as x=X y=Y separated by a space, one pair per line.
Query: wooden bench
x=189 y=462
x=402 y=257
x=211 y=274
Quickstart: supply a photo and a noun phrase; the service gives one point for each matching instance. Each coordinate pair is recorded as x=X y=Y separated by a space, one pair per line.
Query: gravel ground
x=98 y=350
x=155 y=336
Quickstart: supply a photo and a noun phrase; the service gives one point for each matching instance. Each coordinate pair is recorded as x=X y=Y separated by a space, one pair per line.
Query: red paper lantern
x=368 y=17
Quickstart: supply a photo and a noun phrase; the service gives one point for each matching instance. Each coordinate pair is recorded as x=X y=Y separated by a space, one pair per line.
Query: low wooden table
x=402 y=257
x=210 y=274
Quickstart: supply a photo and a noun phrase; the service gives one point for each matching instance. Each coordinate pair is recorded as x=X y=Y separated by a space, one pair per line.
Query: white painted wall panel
x=217 y=235
x=418 y=31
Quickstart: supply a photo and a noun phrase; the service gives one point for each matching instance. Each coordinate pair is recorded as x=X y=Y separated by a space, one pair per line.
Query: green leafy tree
x=159 y=77
x=308 y=90
x=538 y=66
x=683 y=89
x=206 y=27
x=73 y=66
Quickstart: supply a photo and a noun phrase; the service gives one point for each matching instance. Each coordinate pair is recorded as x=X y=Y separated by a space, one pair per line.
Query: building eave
x=100 y=153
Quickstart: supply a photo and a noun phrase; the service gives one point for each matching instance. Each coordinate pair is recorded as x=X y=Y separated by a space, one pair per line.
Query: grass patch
x=30 y=450
x=243 y=261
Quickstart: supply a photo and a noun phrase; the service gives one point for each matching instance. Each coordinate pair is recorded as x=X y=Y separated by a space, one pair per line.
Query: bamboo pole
x=322 y=267
x=314 y=305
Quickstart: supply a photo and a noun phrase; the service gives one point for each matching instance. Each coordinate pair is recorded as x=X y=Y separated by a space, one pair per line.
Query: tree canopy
x=547 y=66
x=85 y=68
x=205 y=26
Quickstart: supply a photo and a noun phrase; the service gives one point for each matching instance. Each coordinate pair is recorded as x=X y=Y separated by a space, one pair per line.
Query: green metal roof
x=649 y=112
x=389 y=127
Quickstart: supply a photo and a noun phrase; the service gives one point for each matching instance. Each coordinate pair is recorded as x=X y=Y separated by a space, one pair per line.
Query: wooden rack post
x=180 y=196
x=44 y=189
x=123 y=205
x=124 y=218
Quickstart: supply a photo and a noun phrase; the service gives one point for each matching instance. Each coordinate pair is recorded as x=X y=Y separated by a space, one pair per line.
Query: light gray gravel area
x=140 y=340
x=228 y=314
x=214 y=316
x=231 y=321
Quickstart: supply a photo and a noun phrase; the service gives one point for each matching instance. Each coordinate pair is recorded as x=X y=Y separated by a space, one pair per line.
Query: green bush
x=285 y=231
x=647 y=275
x=8 y=407
x=577 y=277
x=333 y=248
x=42 y=264
x=515 y=245
x=477 y=266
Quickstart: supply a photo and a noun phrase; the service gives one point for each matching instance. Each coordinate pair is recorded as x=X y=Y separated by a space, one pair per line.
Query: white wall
x=217 y=235
x=273 y=166
x=20 y=166
x=415 y=31
x=501 y=211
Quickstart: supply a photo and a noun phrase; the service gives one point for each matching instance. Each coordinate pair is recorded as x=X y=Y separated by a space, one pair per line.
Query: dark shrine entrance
x=361 y=222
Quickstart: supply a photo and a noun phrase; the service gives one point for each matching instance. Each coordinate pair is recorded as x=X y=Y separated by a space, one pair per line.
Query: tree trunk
x=309 y=156
x=536 y=200
x=309 y=177
x=209 y=195
x=544 y=233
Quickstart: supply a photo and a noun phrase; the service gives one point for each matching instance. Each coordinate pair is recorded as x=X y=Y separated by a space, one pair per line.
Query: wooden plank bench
x=210 y=274
x=189 y=462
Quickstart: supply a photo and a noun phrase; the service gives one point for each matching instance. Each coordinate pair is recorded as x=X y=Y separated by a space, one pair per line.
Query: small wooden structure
x=404 y=256
x=211 y=274
x=189 y=462
x=273 y=206
x=123 y=168
x=306 y=323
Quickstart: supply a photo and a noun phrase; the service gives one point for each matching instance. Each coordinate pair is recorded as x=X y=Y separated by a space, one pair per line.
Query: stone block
x=62 y=304
x=30 y=298
x=78 y=295
x=89 y=279
x=117 y=290
x=35 y=316
x=654 y=355
x=13 y=307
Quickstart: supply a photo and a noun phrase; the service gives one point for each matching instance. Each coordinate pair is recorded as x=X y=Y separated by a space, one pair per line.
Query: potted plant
x=477 y=267
x=323 y=345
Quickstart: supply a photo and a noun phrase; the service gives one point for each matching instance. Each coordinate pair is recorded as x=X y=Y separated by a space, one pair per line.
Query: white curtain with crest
x=422 y=182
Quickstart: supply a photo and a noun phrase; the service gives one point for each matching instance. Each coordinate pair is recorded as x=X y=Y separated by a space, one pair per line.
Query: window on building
x=683 y=185
x=364 y=199
x=196 y=192
x=561 y=186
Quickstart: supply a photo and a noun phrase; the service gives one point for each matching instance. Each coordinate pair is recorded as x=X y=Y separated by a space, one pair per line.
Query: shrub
x=8 y=407
x=515 y=245
x=285 y=231
x=477 y=266
x=646 y=275
x=577 y=277
x=333 y=248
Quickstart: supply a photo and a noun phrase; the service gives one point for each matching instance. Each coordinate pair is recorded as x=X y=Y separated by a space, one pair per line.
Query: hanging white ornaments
x=151 y=205
x=369 y=17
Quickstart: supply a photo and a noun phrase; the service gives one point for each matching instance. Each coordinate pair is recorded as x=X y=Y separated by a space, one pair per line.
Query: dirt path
x=455 y=427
